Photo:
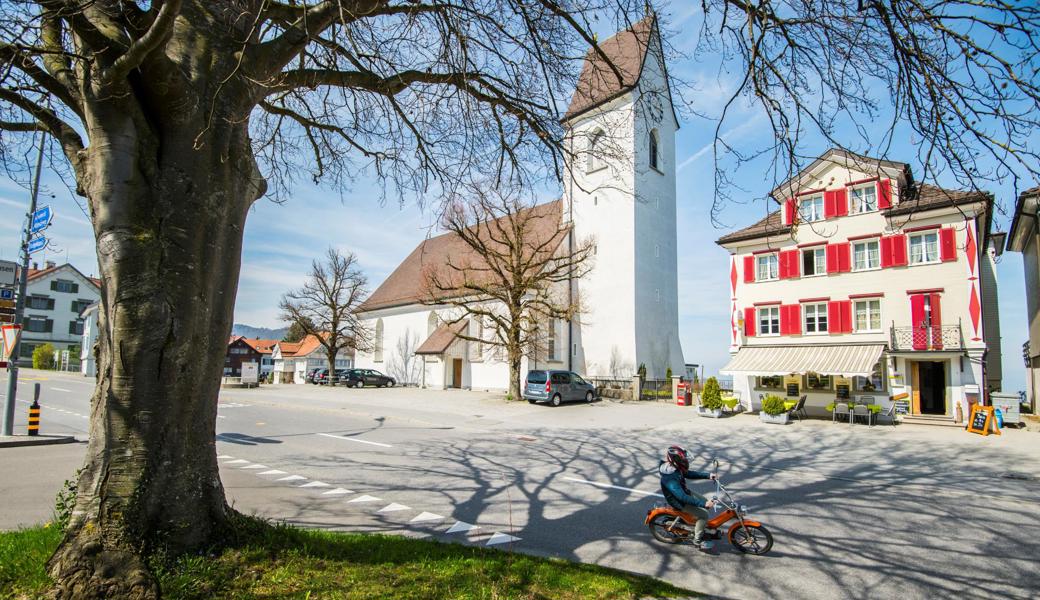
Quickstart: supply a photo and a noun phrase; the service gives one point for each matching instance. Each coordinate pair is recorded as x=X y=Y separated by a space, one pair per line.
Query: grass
x=281 y=562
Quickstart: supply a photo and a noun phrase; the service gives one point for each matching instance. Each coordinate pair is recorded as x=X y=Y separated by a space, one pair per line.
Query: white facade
x=88 y=366
x=289 y=365
x=55 y=298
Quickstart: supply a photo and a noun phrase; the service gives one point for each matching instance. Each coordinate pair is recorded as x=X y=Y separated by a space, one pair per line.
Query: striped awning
x=846 y=360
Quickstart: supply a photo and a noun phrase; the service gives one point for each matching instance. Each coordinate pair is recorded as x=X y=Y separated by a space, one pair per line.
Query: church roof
x=408 y=283
x=440 y=340
x=598 y=83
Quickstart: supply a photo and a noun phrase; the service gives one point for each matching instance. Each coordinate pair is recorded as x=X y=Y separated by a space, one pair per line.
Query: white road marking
x=315 y=484
x=337 y=492
x=426 y=516
x=248 y=467
x=237 y=461
x=291 y=478
x=272 y=472
x=62 y=390
x=350 y=439
x=394 y=507
x=224 y=457
x=221 y=417
x=462 y=527
x=613 y=487
x=501 y=538
x=365 y=498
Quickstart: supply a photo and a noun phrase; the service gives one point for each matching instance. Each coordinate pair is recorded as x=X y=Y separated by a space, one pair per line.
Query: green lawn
x=278 y=562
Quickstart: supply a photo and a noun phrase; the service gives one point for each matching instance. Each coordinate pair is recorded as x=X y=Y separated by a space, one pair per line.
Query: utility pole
x=19 y=310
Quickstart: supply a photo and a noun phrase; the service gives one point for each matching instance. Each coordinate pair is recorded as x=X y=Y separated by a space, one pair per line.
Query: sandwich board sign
x=982 y=419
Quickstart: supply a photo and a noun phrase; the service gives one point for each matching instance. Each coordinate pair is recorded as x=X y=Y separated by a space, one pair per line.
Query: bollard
x=34 y=413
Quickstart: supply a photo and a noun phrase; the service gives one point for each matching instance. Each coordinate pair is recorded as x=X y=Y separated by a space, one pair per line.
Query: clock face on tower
x=655 y=109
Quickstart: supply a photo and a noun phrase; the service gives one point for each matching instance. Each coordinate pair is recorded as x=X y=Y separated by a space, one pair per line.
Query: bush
x=773 y=405
x=668 y=374
x=711 y=397
x=66 y=501
x=43 y=357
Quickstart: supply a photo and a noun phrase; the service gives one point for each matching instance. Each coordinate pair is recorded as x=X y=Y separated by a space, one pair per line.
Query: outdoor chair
x=861 y=410
x=841 y=409
x=888 y=415
x=799 y=409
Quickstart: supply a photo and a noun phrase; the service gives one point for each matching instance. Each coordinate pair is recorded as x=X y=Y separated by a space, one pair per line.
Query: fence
x=618 y=389
x=655 y=389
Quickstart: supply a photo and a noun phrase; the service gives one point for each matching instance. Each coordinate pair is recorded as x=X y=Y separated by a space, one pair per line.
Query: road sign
x=6 y=294
x=6 y=303
x=37 y=243
x=10 y=335
x=8 y=272
x=41 y=219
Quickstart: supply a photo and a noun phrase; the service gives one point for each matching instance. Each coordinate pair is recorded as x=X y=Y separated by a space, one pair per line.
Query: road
x=857 y=512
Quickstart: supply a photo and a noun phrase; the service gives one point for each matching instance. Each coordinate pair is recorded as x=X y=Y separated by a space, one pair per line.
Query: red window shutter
x=832 y=258
x=841 y=202
x=947 y=244
x=919 y=327
x=749 y=269
x=781 y=265
x=886 y=251
x=844 y=251
x=749 y=322
x=834 y=317
x=846 y=315
x=899 y=258
x=936 y=322
x=794 y=319
x=794 y=269
x=884 y=194
x=829 y=208
x=788 y=264
x=789 y=211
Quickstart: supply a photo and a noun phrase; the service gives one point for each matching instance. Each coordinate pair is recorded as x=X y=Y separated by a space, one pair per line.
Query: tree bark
x=168 y=214
x=515 y=356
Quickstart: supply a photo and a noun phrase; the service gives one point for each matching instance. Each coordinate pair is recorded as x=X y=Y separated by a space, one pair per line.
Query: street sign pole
x=19 y=307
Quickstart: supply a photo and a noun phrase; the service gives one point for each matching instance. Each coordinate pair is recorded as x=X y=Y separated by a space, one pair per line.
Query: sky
x=282 y=239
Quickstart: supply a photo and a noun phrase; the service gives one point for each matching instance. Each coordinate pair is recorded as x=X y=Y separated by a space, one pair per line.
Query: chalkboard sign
x=792 y=390
x=902 y=407
x=842 y=392
x=981 y=420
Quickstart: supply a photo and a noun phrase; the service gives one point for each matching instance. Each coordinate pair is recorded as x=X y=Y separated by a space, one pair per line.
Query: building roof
x=261 y=346
x=408 y=283
x=598 y=82
x=1024 y=217
x=772 y=224
x=441 y=338
x=35 y=273
x=844 y=158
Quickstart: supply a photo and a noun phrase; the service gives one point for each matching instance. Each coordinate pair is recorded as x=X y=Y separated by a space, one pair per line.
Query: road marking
x=272 y=472
x=224 y=456
x=365 y=498
x=462 y=527
x=62 y=390
x=501 y=538
x=350 y=439
x=394 y=507
x=248 y=467
x=426 y=516
x=314 y=484
x=237 y=461
x=337 y=492
x=613 y=487
x=221 y=417
x=291 y=478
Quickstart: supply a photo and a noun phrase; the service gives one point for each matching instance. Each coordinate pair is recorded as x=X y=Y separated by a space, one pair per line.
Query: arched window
x=431 y=323
x=595 y=155
x=377 y=344
x=653 y=149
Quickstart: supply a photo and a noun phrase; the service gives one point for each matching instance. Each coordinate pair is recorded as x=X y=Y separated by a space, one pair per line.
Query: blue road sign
x=41 y=219
x=6 y=294
x=37 y=243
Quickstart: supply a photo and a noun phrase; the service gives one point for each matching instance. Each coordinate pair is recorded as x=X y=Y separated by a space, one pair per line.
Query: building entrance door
x=931 y=377
x=456 y=373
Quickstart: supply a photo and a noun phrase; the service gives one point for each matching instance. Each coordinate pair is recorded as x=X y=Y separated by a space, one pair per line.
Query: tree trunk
x=331 y=356
x=169 y=218
x=515 y=352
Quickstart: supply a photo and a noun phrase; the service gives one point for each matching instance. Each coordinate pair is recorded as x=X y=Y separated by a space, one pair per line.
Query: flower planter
x=714 y=414
x=780 y=419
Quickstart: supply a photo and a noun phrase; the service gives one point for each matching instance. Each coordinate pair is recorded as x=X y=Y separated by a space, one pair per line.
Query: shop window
x=770 y=382
x=814 y=382
x=874 y=383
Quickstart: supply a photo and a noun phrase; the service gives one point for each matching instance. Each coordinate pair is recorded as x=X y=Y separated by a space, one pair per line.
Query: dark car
x=309 y=377
x=318 y=376
x=363 y=377
x=557 y=387
x=341 y=377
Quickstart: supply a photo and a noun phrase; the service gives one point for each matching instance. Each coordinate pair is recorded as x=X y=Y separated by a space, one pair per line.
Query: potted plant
x=711 y=400
x=773 y=410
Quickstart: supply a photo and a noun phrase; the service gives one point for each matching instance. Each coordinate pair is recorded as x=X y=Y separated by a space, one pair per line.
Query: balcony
x=924 y=339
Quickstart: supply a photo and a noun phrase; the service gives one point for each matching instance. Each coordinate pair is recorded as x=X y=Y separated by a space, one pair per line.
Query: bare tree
x=404 y=365
x=172 y=117
x=511 y=275
x=324 y=307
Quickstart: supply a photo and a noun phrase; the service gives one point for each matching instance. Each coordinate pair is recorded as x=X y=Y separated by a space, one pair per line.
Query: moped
x=672 y=526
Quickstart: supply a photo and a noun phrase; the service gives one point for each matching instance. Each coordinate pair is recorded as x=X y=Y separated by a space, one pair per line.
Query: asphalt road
x=885 y=512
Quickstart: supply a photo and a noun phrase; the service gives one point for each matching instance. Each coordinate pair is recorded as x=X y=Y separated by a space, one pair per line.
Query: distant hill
x=263 y=333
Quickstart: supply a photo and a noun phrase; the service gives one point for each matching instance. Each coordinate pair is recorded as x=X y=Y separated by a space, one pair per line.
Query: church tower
x=620 y=192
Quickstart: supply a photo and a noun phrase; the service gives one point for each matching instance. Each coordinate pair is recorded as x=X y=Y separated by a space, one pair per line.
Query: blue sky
x=282 y=239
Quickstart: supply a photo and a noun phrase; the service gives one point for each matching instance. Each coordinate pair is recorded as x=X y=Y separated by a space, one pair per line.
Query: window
x=864 y=199
x=476 y=346
x=377 y=353
x=76 y=327
x=653 y=150
x=61 y=285
x=868 y=315
x=817 y=383
x=866 y=255
x=769 y=320
x=924 y=248
x=874 y=383
x=657 y=250
x=26 y=350
x=767 y=267
x=595 y=158
x=550 y=343
x=39 y=324
x=814 y=261
x=815 y=317
x=41 y=303
x=770 y=382
x=811 y=209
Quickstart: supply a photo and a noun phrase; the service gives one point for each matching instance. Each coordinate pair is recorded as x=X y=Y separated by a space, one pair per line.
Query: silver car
x=557 y=387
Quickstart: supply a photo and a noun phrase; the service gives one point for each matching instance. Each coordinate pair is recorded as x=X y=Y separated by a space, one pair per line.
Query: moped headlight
x=743 y=509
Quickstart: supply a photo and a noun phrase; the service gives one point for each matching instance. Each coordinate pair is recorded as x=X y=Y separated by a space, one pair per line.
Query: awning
x=440 y=340
x=846 y=360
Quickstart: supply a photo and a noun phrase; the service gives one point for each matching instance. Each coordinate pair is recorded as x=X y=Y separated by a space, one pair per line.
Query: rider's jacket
x=673 y=485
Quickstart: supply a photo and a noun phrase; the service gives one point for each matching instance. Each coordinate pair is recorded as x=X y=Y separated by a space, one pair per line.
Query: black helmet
x=678 y=458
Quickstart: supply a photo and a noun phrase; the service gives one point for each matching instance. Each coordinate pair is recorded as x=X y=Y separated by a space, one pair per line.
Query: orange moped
x=672 y=526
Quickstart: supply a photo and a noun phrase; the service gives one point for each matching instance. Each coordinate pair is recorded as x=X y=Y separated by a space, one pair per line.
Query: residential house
x=293 y=360
x=868 y=284
x=246 y=350
x=55 y=299
x=89 y=316
x=621 y=195
x=1024 y=237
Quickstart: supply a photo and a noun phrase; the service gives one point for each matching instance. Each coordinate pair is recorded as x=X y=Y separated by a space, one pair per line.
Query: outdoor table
x=789 y=404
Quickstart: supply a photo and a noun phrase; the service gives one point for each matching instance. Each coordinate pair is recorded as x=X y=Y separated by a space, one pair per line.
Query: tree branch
x=139 y=50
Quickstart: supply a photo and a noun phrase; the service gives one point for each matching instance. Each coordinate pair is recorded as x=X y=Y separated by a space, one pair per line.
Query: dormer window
x=864 y=199
x=595 y=155
x=811 y=209
x=653 y=150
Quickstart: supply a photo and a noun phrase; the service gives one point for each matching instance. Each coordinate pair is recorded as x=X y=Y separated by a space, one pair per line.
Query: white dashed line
x=315 y=484
x=426 y=516
x=249 y=467
x=365 y=498
x=62 y=390
x=613 y=487
x=224 y=457
x=394 y=507
x=237 y=461
x=501 y=538
x=291 y=478
x=272 y=472
x=462 y=527
x=350 y=439
x=337 y=492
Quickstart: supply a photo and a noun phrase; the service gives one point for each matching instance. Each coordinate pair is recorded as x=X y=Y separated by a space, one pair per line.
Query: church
x=619 y=191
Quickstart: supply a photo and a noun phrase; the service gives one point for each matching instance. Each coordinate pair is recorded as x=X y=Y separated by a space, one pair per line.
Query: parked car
x=341 y=377
x=309 y=377
x=557 y=387
x=318 y=375
x=363 y=377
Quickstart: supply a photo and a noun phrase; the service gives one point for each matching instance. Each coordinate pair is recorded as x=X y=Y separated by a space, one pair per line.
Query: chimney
x=50 y=264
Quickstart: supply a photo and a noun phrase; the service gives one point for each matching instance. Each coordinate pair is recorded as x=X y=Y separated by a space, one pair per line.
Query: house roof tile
x=441 y=338
x=598 y=83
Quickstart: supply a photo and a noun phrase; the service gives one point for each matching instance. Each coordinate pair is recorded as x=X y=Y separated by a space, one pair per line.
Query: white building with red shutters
x=868 y=284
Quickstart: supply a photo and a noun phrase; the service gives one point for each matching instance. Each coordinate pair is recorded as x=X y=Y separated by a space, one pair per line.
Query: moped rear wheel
x=659 y=529
x=751 y=539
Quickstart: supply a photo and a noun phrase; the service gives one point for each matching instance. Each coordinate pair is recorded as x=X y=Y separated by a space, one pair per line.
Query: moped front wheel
x=751 y=539
x=659 y=528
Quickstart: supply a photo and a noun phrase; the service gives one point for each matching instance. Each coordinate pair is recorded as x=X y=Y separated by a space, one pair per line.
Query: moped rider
x=675 y=471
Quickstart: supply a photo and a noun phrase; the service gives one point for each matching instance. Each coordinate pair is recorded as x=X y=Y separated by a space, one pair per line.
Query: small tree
x=295 y=332
x=43 y=357
x=404 y=365
x=711 y=397
x=324 y=307
x=642 y=371
x=668 y=374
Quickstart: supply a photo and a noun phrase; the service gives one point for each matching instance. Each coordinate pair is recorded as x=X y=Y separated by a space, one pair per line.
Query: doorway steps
x=935 y=420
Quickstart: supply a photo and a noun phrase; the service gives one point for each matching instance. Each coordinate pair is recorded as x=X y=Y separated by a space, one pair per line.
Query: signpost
x=41 y=219
x=8 y=271
x=36 y=244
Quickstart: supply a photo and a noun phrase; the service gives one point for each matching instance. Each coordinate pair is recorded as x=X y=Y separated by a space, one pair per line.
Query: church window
x=377 y=345
x=653 y=150
x=431 y=324
x=595 y=157
x=551 y=342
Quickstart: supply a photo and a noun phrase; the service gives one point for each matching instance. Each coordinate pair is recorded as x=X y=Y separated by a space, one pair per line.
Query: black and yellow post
x=34 y=413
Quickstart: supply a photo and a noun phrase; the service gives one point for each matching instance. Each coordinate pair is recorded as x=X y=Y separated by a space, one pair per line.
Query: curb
x=15 y=441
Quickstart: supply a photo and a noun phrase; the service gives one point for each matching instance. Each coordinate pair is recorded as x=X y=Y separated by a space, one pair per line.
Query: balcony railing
x=942 y=337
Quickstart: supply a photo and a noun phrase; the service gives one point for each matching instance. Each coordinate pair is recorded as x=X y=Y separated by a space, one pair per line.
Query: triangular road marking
x=315 y=484
x=462 y=527
x=426 y=516
x=272 y=472
x=221 y=457
x=291 y=478
x=395 y=507
x=365 y=498
x=236 y=462
x=337 y=492
x=501 y=538
x=246 y=468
